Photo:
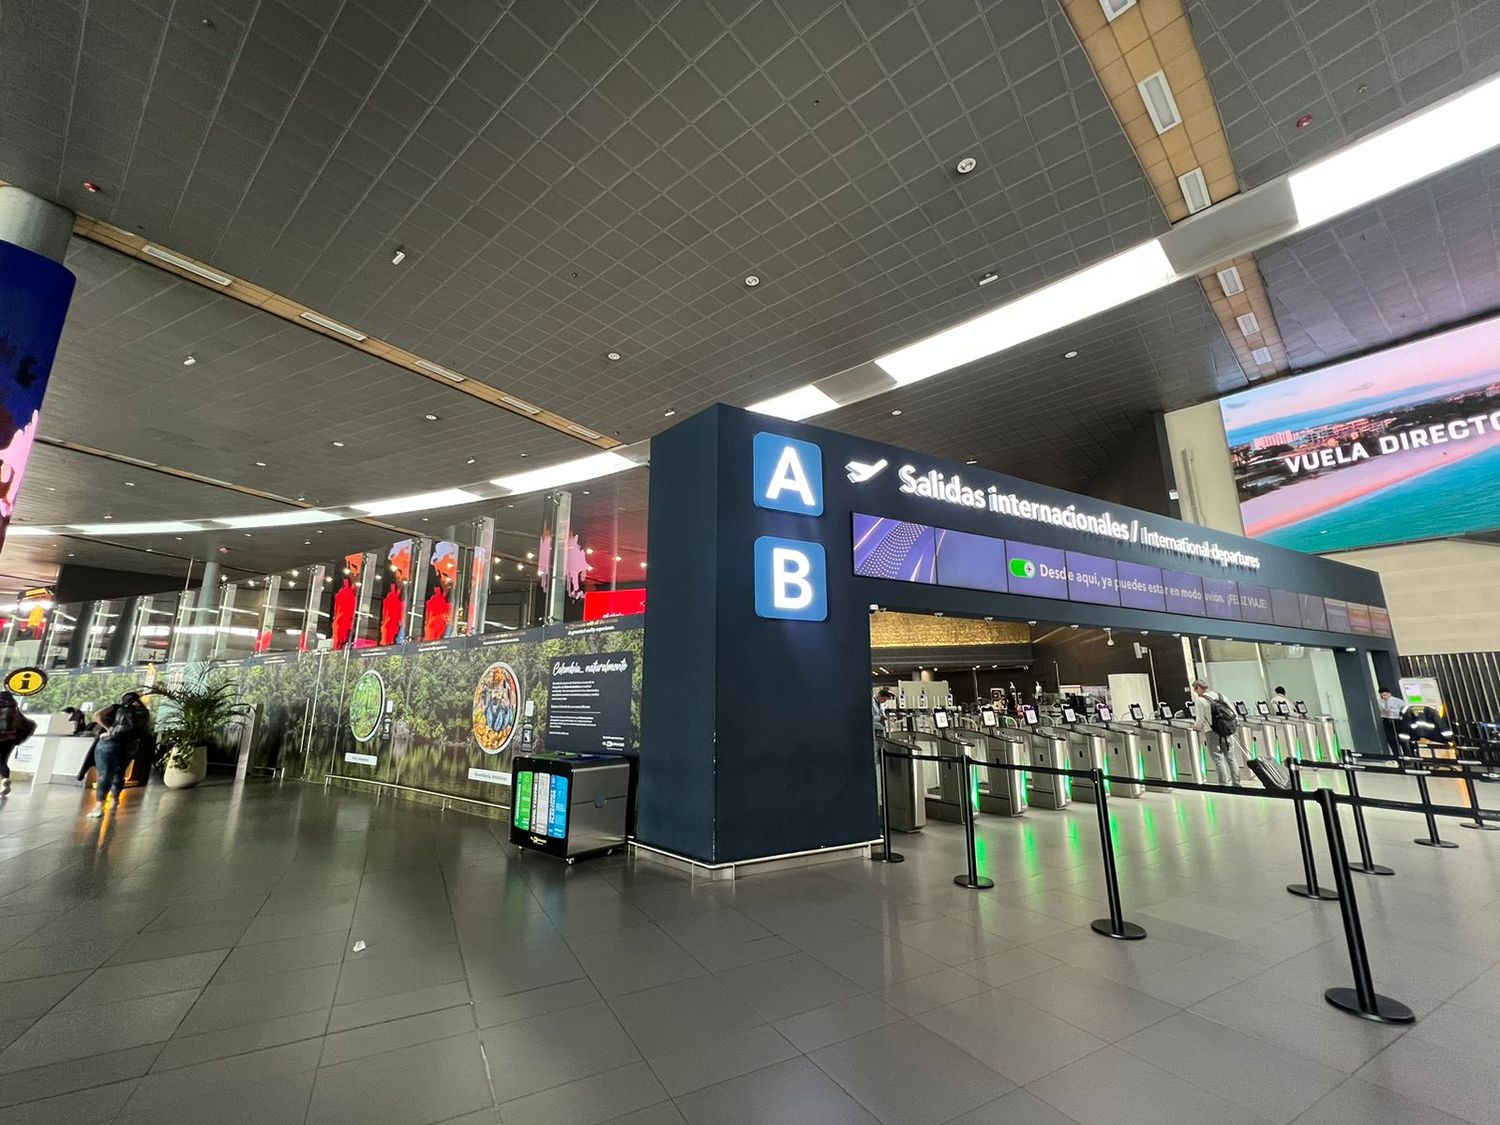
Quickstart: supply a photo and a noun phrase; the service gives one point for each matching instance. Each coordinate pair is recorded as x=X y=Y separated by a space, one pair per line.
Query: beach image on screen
x=1396 y=446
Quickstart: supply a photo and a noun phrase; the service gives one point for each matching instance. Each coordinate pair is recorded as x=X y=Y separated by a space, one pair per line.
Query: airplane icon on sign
x=858 y=472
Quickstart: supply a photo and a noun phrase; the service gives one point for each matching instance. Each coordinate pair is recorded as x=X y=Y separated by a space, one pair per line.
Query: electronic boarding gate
x=1315 y=733
x=1189 y=762
x=1047 y=747
x=1110 y=749
x=1001 y=792
x=1154 y=747
x=1261 y=737
x=905 y=794
x=944 y=797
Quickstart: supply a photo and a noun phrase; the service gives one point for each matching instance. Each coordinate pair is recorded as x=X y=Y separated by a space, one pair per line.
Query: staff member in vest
x=1220 y=740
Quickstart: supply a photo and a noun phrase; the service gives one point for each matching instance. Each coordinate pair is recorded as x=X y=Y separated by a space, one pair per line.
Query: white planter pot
x=187 y=778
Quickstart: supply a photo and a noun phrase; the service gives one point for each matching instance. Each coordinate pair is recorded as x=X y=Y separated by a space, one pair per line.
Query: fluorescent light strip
x=1156 y=92
x=333 y=326
x=186 y=264
x=795 y=405
x=1095 y=289
x=1261 y=356
x=1230 y=281
x=279 y=519
x=420 y=502
x=1249 y=324
x=440 y=371
x=1195 y=191
x=1421 y=146
x=568 y=472
x=159 y=527
x=520 y=404
x=584 y=431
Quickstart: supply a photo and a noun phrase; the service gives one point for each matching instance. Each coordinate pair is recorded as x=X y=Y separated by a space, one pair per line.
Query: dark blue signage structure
x=755 y=711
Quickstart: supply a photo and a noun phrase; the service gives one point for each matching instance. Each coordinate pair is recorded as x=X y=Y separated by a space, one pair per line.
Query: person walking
x=1214 y=719
x=15 y=728
x=125 y=725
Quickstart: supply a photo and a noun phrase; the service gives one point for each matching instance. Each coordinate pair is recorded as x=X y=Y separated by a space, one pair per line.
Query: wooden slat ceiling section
x=1151 y=36
x=115 y=238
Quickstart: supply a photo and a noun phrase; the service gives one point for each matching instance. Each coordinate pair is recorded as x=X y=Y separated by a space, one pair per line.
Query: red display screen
x=599 y=604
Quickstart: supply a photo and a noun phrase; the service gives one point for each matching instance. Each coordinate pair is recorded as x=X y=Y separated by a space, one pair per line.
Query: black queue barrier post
x=1478 y=821
x=1362 y=1000
x=1309 y=889
x=1432 y=839
x=971 y=878
x=886 y=854
x=1115 y=925
x=1365 y=866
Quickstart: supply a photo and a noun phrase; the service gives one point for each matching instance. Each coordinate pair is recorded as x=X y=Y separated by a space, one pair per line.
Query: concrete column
x=78 y=643
x=122 y=640
x=32 y=223
x=205 y=614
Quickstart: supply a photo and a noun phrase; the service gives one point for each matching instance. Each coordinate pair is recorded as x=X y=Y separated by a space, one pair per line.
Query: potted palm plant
x=198 y=711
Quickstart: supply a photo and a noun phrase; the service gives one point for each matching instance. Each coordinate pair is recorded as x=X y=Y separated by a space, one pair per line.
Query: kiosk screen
x=1260 y=705
x=1105 y=713
x=1164 y=710
x=1069 y=715
x=1028 y=712
x=1137 y=712
x=1301 y=708
x=940 y=719
x=1239 y=706
x=987 y=716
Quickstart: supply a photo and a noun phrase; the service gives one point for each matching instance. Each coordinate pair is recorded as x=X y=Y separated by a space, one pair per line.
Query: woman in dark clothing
x=126 y=724
x=15 y=728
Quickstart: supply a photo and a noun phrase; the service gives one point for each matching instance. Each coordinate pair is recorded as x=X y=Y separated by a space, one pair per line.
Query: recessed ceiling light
x=1304 y=121
x=967 y=165
x=989 y=279
x=643 y=566
x=669 y=413
x=520 y=404
x=130 y=484
x=612 y=356
x=1261 y=356
x=1156 y=92
x=752 y=281
x=185 y=264
x=1194 y=189
x=584 y=431
x=248 y=535
x=91 y=187
x=972 y=461
x=470 y=461
x=260 y=464
x=531 y=554
x=430 y=417
x=398 y=256
x=338 y=445
x=1230 y=281
x=1070 y=355
x=189 y=361
x=1114 y=8
x=520 y=567
x=619 y=558
x=588 y=551
x=108 y=516
x=896 y=413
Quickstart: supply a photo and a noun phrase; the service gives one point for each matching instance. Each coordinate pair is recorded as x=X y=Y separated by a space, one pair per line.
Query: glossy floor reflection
x=191 y=959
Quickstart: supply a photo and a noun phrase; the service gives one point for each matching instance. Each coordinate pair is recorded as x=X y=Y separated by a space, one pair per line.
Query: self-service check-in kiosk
x=1189 y=762
x=1154 y=746
x=1048 y=747
x=1115 y=752
x=1001 y=791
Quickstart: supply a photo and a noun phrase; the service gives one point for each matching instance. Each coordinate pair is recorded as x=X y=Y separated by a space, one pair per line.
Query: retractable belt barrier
x=1361 y=1000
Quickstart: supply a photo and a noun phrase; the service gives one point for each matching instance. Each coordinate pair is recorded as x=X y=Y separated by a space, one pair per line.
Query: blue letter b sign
x=791 y=579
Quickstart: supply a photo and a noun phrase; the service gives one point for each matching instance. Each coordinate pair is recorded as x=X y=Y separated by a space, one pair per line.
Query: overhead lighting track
x=121 y=240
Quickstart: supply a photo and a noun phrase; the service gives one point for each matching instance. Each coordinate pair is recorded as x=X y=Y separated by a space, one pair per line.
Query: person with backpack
x=15 y=728
x=1214 y=719
x=126 y=724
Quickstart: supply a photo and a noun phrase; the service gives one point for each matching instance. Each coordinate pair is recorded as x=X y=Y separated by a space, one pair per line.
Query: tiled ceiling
x=572 y=177
x=1353 y=65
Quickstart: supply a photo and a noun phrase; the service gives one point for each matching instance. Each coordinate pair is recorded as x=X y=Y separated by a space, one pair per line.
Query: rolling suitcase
x=1272 y=774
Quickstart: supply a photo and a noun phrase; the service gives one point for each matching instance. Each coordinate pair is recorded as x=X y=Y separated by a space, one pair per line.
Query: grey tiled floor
x=190 y=959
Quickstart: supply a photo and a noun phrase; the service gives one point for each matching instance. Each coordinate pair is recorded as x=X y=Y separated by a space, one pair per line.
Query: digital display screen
x=1239 y=706
x=886 y=548
x=1106 y=714
x=1301 y=708
x=940 y=720
x=1359 y=618
x=971 y=562
x=1142 y=587
x=1314 y=612
x=1184 y=593
x=1255 y=604
x=1261 y=707
x=1343 y=456
x=1286 y=609
x=1038 y=572
x=1092 y=579
x=1165 y=710
x=1338 y=615
x=1221 y=598
x=541 y=801
x=987 y=717
x=1069 y=715
x=1137 y=712
x=1028 y=712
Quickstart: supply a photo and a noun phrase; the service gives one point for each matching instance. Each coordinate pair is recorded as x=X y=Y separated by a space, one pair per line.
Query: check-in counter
x=54 y=752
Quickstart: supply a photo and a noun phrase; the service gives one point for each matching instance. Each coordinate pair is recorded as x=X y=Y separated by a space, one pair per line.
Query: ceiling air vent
x=1160 y=104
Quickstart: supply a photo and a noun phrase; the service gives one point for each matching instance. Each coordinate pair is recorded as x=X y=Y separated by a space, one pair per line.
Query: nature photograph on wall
x=1389 y=448
x=366 y=705
x=497 y=707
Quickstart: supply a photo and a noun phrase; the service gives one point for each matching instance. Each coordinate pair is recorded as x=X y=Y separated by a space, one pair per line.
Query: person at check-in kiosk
x=1213 y=718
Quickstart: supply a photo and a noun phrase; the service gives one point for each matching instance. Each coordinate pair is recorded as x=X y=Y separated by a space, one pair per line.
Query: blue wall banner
x=34 y=296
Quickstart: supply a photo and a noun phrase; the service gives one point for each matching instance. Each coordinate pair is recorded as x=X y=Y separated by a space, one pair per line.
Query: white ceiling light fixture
x=1230 y=281
x=277 y=519
x=418 y=502
x=1113 y=9
x=613 y=357
x=989 y=279
x=1156 y=92
x=197 y=269
x=1195 y=191
x=566 y=472
x=189 y=361
x=157 y=527
x=1424 y=144
x=1249 y=324
x=1092 y=290
x=795 y=405
x=333 y=326
x=430 y=417
x=398 y=256
x=1261 y=356
x=966 y=165
x=520 y=404
x=584 y=431
x=440 y=371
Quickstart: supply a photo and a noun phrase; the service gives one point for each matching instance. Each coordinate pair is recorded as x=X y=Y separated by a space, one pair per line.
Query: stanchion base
x=1434 y=843
x=894 y=857
x=1386 y=1009
x=1480 y=827
x=982 y=885
x=1302 y=890
x=1372 y=869
x=1129 y=931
